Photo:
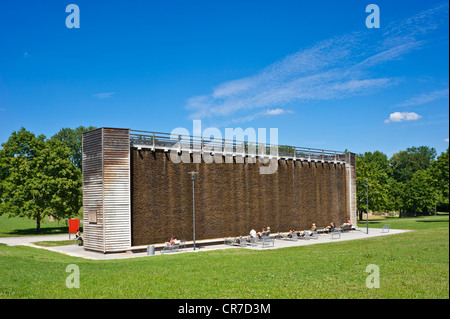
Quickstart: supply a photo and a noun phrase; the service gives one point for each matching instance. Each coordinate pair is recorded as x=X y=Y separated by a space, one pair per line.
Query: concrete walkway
x=79 y=251
x=27 y=240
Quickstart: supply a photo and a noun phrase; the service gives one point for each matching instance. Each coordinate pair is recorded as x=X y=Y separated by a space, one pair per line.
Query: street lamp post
x=193 y=174
x=367 y=205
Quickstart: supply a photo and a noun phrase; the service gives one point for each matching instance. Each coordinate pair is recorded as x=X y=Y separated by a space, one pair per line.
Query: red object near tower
x=74 y=225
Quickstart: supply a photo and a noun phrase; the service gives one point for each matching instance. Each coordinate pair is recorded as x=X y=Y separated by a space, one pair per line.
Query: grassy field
x=20 y=226
x=412 y=265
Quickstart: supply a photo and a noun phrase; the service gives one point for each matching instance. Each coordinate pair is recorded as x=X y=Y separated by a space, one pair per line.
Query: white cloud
x=425 y=98
x=418 y=24
x=446 y=140
x=105 y=95
x=277 y=112
x=321 y=72
x=255 y=115
x=402 y=116
x=336 y=68
x=392 y=53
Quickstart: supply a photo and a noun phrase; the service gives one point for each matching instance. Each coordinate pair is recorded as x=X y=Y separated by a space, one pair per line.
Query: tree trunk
x=38 y=223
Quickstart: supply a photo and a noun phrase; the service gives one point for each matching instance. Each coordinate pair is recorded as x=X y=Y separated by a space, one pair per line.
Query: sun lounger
x=241 y=242
x=336 y=234
x=268 y=241
x=305 y=236
x=170 y=248
x=291 y=237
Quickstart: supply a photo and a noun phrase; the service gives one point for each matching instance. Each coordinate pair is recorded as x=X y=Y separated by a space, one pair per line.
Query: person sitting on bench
x=330 y=228
x=172 y=241
x=262 y=233
x=78 y=238
x=347 y=225
x=291 y=233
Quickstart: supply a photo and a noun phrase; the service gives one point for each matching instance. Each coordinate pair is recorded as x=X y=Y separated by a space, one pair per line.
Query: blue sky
x=312 y=69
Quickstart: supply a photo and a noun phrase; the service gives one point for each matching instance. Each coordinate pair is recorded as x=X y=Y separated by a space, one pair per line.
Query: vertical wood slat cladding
x=231 y=199
x=351 y=185
x=92 y=157
x=116 y=176
x=106 y=190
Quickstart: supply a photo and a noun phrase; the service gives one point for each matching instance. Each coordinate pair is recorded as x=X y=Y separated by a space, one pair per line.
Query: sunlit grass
x=412 y=265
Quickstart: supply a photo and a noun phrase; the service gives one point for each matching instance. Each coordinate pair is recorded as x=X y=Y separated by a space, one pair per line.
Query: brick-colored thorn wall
x=230 y=199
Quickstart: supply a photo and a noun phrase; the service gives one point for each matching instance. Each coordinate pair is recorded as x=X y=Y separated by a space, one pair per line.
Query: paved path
x=79 y=251
x=25 y=240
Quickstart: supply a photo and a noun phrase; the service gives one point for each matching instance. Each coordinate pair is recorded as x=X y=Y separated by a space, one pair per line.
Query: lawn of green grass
x=420 y=222
x=412 y=265
x=22 y=226
x=55 y=243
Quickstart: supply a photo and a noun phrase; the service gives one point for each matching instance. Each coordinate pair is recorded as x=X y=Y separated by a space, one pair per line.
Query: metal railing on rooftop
x=167 y=142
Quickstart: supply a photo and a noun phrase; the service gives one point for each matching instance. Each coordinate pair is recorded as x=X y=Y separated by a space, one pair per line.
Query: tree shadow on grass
x=432 y=221
x=371 y=222
x=43 y=231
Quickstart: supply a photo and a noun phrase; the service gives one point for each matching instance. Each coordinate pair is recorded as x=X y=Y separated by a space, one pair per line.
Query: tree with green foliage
x=38 y=178
x=379 y=160
x=395 y=198
x=22 y=143
x=440 y=171
x=421 y=193
x=373 y=167
x=72 y=138
x=286 y=150
x=405 y=163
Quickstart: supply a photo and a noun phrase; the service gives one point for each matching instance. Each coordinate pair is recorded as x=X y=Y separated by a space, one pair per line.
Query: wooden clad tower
x=106 y=190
